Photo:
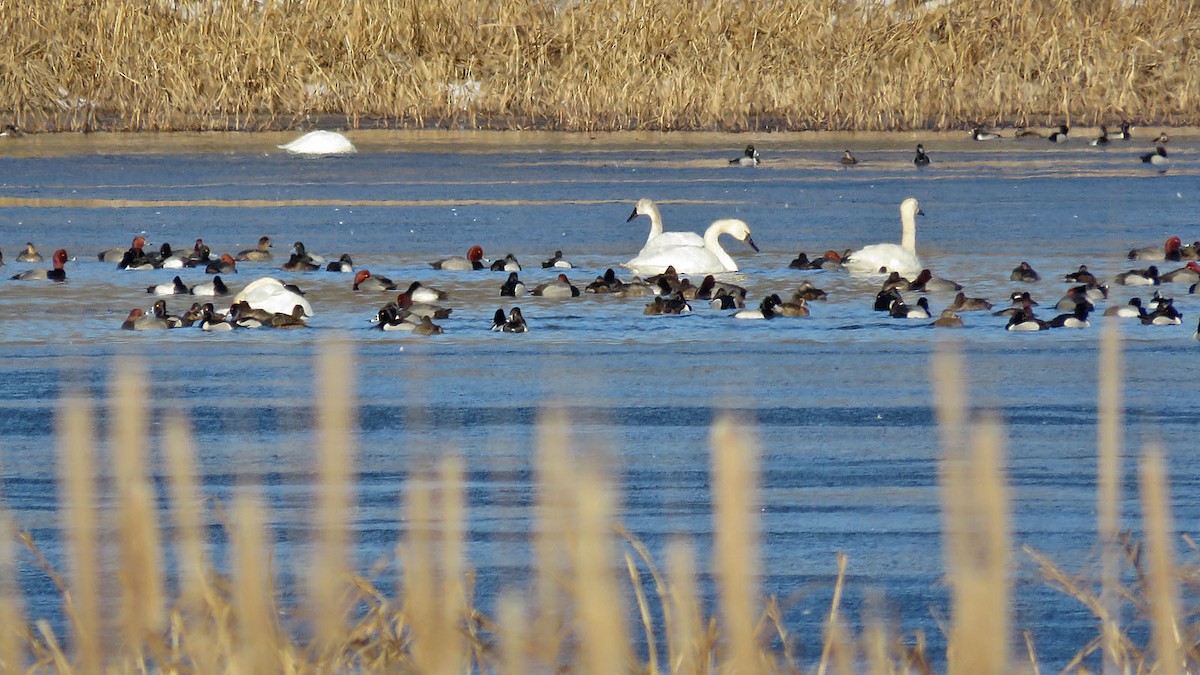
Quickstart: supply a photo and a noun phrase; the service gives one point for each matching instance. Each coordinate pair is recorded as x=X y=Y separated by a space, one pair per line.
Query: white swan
x=902 y=258
x=320 y=143
x=707 y=259
x=269 y=294
x=659 y=239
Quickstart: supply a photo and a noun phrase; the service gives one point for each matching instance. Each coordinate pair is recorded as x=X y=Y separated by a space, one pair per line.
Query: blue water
x=840 y=402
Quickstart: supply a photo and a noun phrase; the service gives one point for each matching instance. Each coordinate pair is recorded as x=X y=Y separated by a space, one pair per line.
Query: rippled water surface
x=840 y=402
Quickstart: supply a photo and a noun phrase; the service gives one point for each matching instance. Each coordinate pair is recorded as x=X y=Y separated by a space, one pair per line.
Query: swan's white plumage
x=658 y=239
x=320 y=143
x=269 y=294
x=710 y=258
x=901 y=257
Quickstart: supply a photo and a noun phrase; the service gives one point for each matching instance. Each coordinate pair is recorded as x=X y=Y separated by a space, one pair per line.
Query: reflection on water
x=840 y=400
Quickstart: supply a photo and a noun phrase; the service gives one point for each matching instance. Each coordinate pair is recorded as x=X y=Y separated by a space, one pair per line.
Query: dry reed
x=577 y=619
x=599 y=64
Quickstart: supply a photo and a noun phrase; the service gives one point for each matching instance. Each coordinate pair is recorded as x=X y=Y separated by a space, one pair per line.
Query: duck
x=1076 y=319
x=723 y=300
x=297 y=263
x=257 y=254
x=224 y=265
x=900 y=310
x=1082 y=276
x=1024 y=132
x=498 y=320
x=172 y=259
x=900 y=258
x=749 y=157
x=1156 y=158
x=948 y=319
x=11 y=131
x=271 y=295
x=209 y=321
x=848 y=159
x=160 y=311
x=708 y=259
x=1060 y=136
x=556 y=261
x=176 y=287
x=675 y=304
x=422 y=294
x=964 y=304
x=138 y=320
x=320 y=142
x=1189 y=272
x=1021 y=302
x=657 y=239
x=512 y=287
x=561 y=287
x=1072 y=297
x=765 y=309
x=29 y=254
x=507 y=264
x=1102 y=139
x=796 y=307
x=365 y=281
x=213 y=288
x=1120 y=135
x=242 y=315
x=418 y=310
x=605 y=283
x=1196 y=335
x=287 y=320
x=57 y=274
x=392 y=318
x=806 y=291
x=926 y=282
x=921 y=159
x=515 y=323
x=978 y=134
x=1133 y=310
x=1024 y=273
x=1163 y=315
x=1169 y=250
x=1024 y=321
x=1144 y=277
x=472 y=261
x=193 y=314
x=343 y=265
x=635 y=288
x=135 y=258
x=427 y=327
x=885 y=298
x=1162 y=138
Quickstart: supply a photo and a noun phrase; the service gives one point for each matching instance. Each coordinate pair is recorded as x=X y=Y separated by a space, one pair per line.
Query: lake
x=840 y=402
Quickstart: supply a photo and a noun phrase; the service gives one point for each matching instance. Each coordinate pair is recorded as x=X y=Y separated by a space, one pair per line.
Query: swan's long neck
x=656 y=225
x=908 y=231
x=712 y=243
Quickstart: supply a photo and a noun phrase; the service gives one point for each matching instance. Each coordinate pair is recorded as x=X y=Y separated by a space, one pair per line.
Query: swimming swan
x=657 y=238
x=269 y=294
x=902 y=258
x=707 y=259
x=320 y=143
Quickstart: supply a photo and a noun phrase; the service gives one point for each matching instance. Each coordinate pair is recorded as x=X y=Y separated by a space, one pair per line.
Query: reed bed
x=587 y=609
x=597 y=64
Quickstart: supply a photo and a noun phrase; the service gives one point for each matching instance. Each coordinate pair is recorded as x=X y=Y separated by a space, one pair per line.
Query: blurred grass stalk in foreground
x=576 y=617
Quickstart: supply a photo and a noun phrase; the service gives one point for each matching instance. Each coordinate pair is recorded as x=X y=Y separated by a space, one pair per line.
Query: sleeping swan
x=320 y=143
x=902 y=258
x=269 y=294
x=659 y=239
x=707 y=259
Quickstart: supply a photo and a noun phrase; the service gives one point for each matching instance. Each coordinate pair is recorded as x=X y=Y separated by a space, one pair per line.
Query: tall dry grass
x=597 y=64
x=586 y=611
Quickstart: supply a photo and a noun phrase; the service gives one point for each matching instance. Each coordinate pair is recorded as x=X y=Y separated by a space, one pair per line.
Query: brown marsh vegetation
x=597 y=64
x=124 y=615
